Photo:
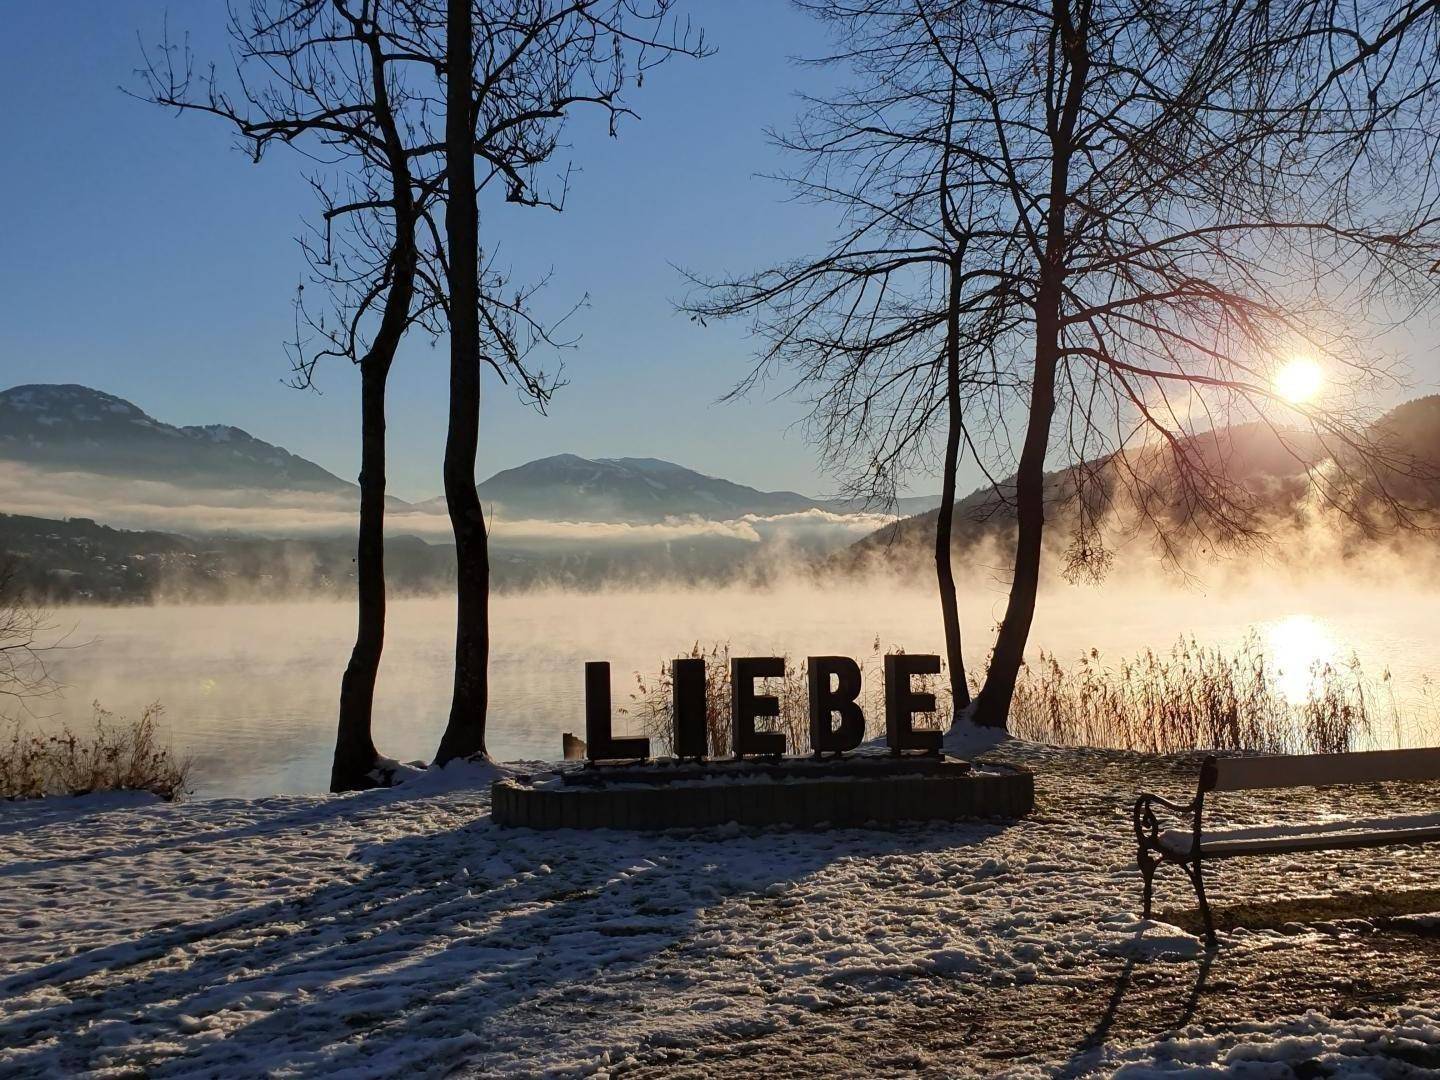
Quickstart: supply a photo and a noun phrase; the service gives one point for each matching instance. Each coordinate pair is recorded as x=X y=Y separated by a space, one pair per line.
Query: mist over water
x=250 y=690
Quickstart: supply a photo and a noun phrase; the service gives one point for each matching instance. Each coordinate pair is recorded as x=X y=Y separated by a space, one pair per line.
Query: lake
x=250 y=690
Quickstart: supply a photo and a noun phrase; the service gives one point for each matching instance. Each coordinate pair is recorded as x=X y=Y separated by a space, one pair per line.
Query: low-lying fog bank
x=84 y=561
x=250 y=689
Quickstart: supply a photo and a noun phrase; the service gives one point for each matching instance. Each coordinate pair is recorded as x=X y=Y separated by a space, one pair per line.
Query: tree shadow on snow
x=414 y=966
x=311 y=813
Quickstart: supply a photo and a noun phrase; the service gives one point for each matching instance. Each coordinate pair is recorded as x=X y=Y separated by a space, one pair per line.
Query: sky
x=144 y=255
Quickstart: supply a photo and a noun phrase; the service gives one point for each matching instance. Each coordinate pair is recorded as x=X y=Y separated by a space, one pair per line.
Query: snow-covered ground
x=401 y=933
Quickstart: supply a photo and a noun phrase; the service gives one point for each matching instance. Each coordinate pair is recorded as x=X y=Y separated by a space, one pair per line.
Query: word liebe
x=837 y=722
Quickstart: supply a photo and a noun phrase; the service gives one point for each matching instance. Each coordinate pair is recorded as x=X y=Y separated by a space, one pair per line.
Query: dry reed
x=116 y=756
x=1191 y=697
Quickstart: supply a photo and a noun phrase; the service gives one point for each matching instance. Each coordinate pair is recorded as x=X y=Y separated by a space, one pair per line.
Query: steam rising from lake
x=153 y=504
x=250 y=689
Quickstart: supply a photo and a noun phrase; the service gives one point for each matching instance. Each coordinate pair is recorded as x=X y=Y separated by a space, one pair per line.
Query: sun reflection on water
x=1299 y=645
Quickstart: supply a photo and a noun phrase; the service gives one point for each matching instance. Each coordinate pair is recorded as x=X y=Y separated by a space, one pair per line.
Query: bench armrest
x=1147 y=824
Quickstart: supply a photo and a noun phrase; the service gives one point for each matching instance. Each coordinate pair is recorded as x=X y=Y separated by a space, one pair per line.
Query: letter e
x=746 y=705
x=902 y=703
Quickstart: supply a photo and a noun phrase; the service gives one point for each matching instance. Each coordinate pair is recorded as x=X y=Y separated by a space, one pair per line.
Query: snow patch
x=399 y=931
x=967 y=739
x=459 y=775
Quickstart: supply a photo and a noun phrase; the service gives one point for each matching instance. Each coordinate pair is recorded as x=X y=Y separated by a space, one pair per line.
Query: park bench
x=1195 y=844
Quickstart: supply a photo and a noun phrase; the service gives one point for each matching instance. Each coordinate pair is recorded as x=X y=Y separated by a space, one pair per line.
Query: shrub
x=116 y=756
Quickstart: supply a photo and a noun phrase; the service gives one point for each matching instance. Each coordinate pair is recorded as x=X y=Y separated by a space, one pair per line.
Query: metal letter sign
x=834 y=692
x=825 y=702
x=746 y=705
x=901 y=703
x=601 y=745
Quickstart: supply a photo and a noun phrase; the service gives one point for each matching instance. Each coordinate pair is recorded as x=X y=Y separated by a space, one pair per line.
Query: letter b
x=825 y=702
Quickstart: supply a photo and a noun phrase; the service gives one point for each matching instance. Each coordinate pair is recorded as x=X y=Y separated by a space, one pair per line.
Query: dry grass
x=116 y=756
x=1198 y=698
x=1191 y=698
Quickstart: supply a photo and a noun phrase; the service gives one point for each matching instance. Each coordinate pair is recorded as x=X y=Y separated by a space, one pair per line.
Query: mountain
x=567 y=487
x=1272 y=465
x=75 y=428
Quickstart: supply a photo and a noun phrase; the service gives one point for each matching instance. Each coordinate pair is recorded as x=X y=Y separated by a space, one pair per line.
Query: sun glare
x=1299 y=380
x=1300 y=644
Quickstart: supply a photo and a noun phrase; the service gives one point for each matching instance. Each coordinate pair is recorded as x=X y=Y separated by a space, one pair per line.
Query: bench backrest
x=1318 y=770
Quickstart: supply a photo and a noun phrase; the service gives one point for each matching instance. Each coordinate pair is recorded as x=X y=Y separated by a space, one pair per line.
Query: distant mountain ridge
x=66 y=426
x=567 y=487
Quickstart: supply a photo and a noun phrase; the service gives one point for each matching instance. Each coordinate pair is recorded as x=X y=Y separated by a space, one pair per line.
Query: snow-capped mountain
x=76 y=428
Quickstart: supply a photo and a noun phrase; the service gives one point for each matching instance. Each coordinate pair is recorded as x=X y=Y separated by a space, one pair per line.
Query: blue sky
x=145 y=256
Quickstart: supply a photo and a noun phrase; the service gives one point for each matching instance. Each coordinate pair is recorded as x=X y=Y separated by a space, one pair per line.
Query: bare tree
x=1197 y=196
x=514 y=71
x=339 y=82
x=1166 y=203
x=362 y=85
x=893 y=330
x=25 y=640
x=465 y=732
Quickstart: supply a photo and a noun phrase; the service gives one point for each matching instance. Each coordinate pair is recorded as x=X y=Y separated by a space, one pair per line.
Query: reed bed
x=1191 y=697
x=117 y=755
x=1197 y=697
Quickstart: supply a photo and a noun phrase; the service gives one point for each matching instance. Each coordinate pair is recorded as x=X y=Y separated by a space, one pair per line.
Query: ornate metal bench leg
x=1147 y=873
x=1193 y=869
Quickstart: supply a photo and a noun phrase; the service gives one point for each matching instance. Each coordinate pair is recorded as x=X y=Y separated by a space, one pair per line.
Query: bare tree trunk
x=355 y=754
x=944 y=523
x=465 y=733
x=356 y=759
x=993 y=707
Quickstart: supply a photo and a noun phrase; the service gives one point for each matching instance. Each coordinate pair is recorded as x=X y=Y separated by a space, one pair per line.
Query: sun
x=1299 y=380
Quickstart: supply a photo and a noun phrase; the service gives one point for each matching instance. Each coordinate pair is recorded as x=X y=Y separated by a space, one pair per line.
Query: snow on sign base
x=948 y=790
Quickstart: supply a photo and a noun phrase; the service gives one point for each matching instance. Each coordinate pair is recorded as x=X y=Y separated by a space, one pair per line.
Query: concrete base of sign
x=947 y=790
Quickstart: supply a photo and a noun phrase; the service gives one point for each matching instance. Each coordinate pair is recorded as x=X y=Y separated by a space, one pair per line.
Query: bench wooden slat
x=1226 y=849
x=1318 y=770
x=1316 y=836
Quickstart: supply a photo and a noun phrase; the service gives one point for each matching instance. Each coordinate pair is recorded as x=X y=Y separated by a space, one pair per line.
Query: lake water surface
x=250 y=690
